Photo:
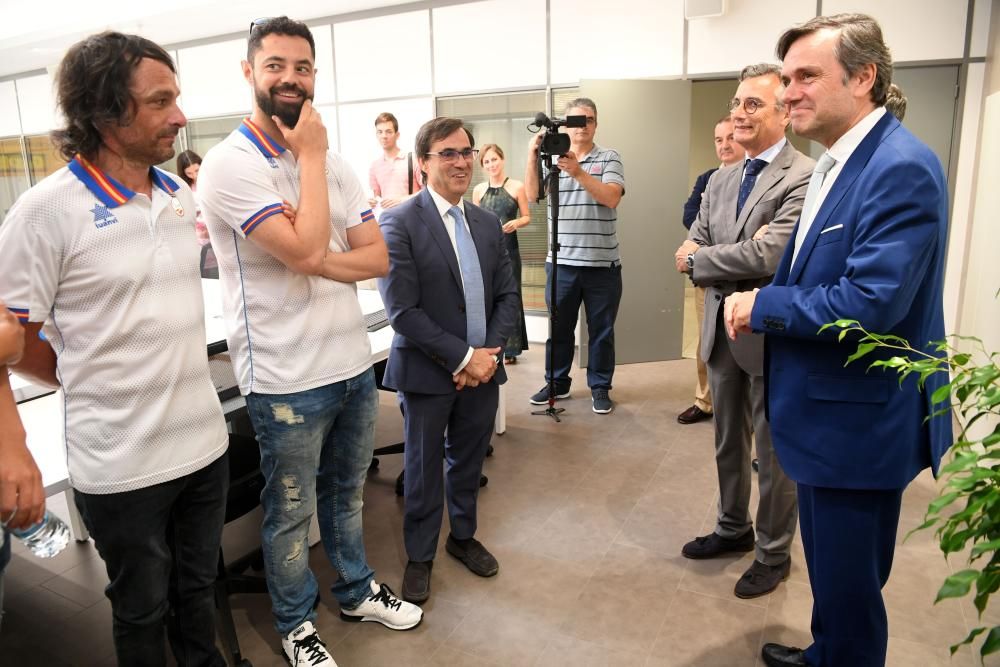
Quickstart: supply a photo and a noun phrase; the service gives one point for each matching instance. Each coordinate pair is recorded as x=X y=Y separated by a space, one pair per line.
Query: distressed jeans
x=315 y=448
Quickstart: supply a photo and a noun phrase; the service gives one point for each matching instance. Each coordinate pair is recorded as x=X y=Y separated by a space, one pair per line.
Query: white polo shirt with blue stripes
x=287 y=332
x=113 y=276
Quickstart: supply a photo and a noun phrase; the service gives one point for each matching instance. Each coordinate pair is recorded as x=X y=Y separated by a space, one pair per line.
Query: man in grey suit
x=452 y=301
x=725 y=253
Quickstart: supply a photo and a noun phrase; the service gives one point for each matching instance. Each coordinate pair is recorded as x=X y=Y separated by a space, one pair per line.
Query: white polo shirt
x=113 y=276
x=287 y=332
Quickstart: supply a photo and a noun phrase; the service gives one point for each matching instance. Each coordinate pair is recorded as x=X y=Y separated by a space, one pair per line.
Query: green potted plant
x=967 y=510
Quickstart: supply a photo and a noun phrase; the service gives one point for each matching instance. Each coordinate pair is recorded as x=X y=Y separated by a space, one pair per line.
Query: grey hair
x=581 y=102
x=895 y=101
x=859 y=43
x=763 y=69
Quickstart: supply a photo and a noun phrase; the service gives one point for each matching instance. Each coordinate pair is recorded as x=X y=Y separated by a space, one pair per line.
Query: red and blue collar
x=112 y=193
x=265 y=144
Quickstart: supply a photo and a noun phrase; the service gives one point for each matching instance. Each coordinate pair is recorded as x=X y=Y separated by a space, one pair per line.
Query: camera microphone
x=541 y=120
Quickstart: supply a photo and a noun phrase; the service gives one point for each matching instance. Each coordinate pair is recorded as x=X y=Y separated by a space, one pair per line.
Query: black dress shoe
x=693 y=415
x=761 y=579
x=417 y=581
x=776 y=655
x=474 y=555
x=712 y=545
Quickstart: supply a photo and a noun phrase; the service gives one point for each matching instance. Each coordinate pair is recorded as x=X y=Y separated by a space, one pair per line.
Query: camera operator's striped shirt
x=588 y=230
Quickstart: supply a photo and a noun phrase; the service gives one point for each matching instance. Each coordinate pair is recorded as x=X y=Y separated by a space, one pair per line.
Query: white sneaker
x=383 y=606
x=303 y=647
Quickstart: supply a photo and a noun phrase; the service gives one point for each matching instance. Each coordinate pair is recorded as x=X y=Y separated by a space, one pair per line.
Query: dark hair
x=489 y=147
x=895 y=101
x=436 y=130
x=386 y=117
x=582 y=102
x=185 y=160
x=859 y=43
x=280 y=25
x=92 y=88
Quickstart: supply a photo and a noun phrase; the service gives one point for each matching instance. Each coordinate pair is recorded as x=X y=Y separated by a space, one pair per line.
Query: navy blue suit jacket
x=874 y=253
x=424 y=298
x=693 y=203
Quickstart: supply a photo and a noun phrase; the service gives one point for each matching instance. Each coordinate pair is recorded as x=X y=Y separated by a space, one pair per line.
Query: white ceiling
x=34 y=34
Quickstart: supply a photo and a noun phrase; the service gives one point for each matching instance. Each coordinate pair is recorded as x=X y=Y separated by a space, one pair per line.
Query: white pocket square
x=830 y=229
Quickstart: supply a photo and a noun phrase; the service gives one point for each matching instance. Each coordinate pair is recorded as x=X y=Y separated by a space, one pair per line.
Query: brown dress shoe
x=693 y=415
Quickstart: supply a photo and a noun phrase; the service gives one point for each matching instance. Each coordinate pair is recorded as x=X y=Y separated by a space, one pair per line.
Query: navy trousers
x=468 y=417
x=599 y=289
x=849 y=538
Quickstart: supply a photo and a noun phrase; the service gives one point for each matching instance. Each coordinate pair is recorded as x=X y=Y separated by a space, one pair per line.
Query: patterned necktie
x=824 y=165
x=472 y=278
x=753 y=168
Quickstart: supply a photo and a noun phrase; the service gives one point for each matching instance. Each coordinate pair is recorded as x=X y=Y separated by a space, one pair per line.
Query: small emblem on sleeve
x=178 y=209
x=102 y=216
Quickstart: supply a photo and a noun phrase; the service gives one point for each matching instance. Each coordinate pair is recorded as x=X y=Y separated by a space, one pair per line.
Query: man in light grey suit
x=725 y=252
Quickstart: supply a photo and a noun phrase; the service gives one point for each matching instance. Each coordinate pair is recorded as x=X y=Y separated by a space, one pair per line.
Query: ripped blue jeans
x=315 y=448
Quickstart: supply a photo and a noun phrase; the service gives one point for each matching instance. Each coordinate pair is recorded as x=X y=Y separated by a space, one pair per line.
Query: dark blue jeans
x=599 y=289
x=160 y=546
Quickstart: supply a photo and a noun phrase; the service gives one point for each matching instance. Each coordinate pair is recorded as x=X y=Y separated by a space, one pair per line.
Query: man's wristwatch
x=690 y=262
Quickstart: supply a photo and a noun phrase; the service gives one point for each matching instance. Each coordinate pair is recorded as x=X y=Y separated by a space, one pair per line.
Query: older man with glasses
x=725 y=254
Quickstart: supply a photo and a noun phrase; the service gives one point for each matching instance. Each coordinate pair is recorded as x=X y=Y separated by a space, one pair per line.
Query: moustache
x=288 y=88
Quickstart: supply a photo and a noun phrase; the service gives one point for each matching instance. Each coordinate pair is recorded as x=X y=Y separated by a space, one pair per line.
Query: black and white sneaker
x=384 y=607
x=602 y=402
x=304 y=648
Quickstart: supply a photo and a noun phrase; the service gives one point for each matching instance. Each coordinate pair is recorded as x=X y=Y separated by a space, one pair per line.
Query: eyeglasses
x=451 y=155
x=750 y=105
x=259 y=22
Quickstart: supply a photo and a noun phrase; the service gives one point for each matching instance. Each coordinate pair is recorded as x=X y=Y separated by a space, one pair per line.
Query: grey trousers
x=738 y=399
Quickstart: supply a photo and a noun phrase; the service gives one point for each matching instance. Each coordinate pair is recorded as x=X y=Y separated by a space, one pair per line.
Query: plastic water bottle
x=46 y=538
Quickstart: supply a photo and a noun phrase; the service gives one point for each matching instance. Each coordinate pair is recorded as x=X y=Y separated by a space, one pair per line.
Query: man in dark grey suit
x=452 y=301
x=725 y=253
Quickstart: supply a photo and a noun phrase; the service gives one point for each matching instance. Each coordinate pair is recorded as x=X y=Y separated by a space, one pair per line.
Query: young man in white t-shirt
x=296 y=334
x=102 y=258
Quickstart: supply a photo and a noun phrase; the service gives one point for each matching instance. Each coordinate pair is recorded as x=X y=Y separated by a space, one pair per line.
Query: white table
x=41 y=410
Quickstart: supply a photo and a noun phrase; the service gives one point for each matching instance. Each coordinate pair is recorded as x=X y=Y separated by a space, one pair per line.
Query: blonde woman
x=506 y=198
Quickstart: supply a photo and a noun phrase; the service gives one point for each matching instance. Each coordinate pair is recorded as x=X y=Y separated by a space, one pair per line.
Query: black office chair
x=398 y=447
x=245 y=485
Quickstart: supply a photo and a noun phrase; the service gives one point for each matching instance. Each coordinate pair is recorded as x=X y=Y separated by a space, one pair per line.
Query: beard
x=272 y=105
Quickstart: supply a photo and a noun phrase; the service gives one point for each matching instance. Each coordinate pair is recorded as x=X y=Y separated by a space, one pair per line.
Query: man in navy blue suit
x=452 y=301
x=869 y=246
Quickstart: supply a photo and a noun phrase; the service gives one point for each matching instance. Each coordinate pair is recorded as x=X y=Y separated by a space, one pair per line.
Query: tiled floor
x=586 y=517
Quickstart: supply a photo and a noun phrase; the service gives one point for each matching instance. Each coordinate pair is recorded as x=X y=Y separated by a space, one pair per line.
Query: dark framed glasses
x=257 y=22
x=452 y=155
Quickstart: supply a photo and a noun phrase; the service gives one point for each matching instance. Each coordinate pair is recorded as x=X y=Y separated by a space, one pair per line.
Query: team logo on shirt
x=271 y=161
x=102 y=216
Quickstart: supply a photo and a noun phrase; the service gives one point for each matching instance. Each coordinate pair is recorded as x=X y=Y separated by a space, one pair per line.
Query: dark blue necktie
x=750 y=172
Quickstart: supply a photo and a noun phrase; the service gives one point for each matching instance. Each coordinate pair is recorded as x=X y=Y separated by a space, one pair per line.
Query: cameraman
x=591 y=183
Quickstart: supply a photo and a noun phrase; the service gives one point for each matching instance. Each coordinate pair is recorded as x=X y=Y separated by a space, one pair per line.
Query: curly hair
x=92 y=88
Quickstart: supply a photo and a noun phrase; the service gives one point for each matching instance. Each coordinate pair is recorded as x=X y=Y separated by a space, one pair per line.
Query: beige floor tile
x=717 y=577
x=563 y=651
x=903 y=653
x=623 y=604
x=789 y=614
x=909 y=598
x=708 y=632
x=446 y=656
x=499 y=636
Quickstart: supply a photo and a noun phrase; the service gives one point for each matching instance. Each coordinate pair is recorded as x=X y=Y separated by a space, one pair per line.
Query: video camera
x=554 y=142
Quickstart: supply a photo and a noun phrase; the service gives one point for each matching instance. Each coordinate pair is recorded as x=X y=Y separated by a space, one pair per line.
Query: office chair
x=245 y=485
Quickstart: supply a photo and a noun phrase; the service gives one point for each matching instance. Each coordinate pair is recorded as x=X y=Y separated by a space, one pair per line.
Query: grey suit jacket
x=729 y=260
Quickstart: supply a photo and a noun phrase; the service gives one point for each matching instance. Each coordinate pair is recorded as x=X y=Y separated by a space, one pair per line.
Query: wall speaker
x=703 y=9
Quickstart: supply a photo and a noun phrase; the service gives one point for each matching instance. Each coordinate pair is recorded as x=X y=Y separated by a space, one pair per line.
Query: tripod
x=553 y=189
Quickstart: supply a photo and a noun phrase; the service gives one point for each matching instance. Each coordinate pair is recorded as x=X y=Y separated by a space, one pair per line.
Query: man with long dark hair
x=101 y=256
x=299 y=345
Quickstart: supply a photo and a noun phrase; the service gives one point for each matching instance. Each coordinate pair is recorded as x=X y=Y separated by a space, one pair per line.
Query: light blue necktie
x=824 y=165
x=472 y=277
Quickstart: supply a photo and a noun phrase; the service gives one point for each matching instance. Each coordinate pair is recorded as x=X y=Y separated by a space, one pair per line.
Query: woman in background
x=188 y=165
x=505 y=198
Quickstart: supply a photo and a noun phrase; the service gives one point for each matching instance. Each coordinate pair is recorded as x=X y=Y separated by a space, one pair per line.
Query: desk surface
x=43 y=417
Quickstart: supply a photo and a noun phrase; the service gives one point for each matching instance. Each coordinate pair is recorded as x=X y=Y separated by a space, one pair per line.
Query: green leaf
x=863 y=349
x=957 y=585
x=968 y=639
x=983 y=547
x=941 y=502
x=961 y=359
x=992 y=643
x=941 y=394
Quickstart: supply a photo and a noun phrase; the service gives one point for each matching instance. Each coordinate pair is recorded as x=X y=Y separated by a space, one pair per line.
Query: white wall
x=211 y=79
x=386 y=56
x=10 y=120
x=913 y=29
x=37 y=102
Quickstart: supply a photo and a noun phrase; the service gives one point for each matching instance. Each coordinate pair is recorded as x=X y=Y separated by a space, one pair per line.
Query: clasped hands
x=738 y=308
x=480 y=369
